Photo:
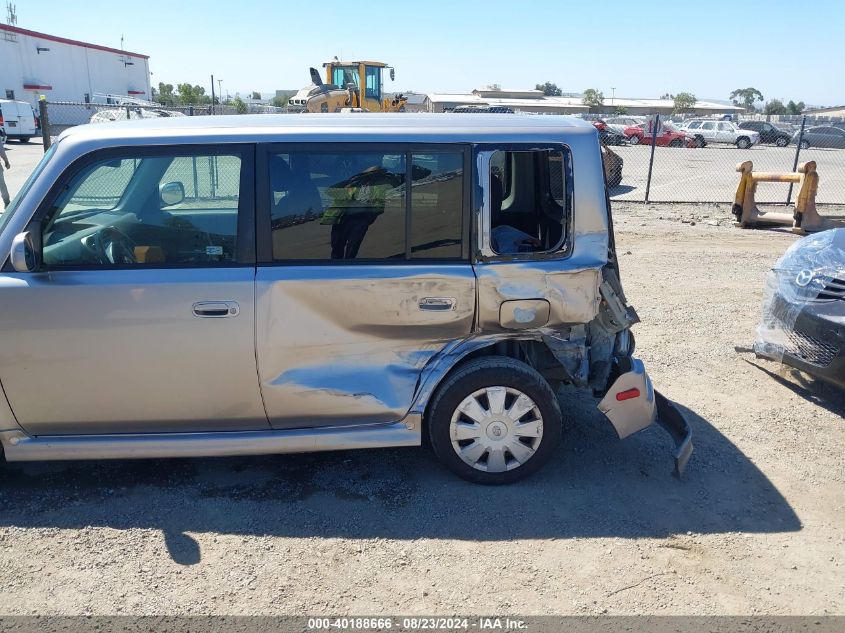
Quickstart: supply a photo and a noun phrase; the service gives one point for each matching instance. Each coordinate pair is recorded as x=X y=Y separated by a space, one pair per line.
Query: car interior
x=530 y=201
x=136 y=211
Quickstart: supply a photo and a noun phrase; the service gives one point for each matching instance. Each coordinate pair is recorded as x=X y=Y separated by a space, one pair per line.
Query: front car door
x=708 y=131
x=363 y=276
x=142 y=318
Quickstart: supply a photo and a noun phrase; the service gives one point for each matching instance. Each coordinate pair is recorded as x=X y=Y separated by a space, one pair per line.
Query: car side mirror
x=26 y=252
x=171 y=193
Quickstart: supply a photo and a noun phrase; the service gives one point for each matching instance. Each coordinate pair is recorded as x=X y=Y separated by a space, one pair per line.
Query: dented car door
x=363 y=276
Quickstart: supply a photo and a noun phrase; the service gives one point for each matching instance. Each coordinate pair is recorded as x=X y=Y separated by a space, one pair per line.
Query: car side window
x=725 y=126
x=146 y=209
x=328 y=205
x=708 y=125
x=534 y=216
x=694 y=125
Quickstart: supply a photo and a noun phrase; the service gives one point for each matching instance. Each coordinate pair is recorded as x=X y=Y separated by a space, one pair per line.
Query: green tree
x=775 y=106
x=620 y=110
x=279 y=102
x=746 y=97
x=239 y=105
x=549 y=89
x=192 y=95
x=795 y=108
x=667 y=96
x=165 y=94
x=593 y=99
x=684 y=102
x=256 y=95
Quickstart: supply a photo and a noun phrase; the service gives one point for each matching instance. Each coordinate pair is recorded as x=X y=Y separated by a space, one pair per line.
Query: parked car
x=768 y=132
x=821 y=136
x=670 y=137
x=619 y=123
x=18 y=119
x=165 y=316
x=804 y=308
x=607 y=136
x=712 y=131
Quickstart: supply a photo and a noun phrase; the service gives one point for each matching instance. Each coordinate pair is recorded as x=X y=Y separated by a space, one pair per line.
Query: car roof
x=373 y=127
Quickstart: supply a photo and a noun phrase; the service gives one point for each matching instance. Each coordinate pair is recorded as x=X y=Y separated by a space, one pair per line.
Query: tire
x=675 y=143
x=743 y=142
x=634 y=139
x=699 y=141
x=781 y=142
x=805 y=144
x=615 y=179
x=538 y=429
x=24 y=139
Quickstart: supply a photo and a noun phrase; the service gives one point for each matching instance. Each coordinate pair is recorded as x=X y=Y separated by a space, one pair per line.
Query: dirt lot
x=757 y=525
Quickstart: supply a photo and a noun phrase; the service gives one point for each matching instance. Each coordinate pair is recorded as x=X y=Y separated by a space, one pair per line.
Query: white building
x=34 y=64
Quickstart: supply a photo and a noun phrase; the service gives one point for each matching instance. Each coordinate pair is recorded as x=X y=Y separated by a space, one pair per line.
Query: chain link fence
x=694 y=159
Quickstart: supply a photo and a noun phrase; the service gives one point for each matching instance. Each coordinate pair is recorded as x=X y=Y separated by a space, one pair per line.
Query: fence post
x=651 y=158
x=797 y=153
x=190 y=110
x=45 y=122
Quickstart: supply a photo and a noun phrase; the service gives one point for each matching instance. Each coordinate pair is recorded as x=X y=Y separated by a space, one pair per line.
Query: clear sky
x=643 y=49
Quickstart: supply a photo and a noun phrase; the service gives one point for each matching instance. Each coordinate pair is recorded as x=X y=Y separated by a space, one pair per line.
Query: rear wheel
x=634 y=139
x=781 y=141
x=743 y=142
x=494 y=421
x=805 y=144
x=24 y=139
x=699 y=141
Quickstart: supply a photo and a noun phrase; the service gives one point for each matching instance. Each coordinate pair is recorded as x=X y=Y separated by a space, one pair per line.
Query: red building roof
x=64 y=40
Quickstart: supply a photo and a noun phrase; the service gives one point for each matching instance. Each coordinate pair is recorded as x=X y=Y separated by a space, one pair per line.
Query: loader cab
x=365 y=78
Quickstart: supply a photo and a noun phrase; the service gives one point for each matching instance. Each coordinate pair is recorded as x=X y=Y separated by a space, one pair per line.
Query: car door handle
x=216 y=309
x=437 y=304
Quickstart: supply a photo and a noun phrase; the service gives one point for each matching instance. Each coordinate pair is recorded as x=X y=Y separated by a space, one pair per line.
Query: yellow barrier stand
x=804 y=219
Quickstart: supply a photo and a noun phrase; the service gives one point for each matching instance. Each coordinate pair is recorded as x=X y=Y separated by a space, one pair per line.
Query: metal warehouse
x=36 y=64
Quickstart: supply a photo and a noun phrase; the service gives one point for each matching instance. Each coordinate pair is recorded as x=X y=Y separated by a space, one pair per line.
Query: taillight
x=628 y=394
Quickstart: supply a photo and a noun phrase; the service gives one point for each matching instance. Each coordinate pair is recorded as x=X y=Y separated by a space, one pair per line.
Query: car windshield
x=6 y=216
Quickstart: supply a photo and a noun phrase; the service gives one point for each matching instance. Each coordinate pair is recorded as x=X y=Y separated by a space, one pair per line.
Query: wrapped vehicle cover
x=809 y=272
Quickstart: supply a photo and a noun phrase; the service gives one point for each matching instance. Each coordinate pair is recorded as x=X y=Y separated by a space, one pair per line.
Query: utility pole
x=612 y=95
x=212 y=94
x=220 y=92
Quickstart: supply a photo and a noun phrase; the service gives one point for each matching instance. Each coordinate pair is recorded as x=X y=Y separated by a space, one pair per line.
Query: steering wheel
x=111 y=246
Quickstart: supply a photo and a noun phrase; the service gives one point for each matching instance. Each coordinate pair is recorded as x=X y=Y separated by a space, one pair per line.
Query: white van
x=18 y=118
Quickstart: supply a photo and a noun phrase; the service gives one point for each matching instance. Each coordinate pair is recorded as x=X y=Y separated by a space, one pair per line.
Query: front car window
x=147 y=210
x=694 y=125
x=726 y=126
x=344 y=75
x=530 y=211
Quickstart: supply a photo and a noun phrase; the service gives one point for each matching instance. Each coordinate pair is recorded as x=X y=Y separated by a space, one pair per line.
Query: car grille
x=810 y=350
x=833 y=289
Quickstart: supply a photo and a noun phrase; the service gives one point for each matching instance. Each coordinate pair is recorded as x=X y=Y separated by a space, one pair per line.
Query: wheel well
x=531 y=352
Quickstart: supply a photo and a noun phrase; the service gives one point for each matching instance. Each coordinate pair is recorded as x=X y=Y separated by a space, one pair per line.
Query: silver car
x=288 y=283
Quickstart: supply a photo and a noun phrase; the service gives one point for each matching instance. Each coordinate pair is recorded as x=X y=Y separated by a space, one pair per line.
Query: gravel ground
x=756 y=526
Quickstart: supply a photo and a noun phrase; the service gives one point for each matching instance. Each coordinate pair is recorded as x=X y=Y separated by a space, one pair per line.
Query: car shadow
x=620 y=190
x=596 y=486
x=818 y=392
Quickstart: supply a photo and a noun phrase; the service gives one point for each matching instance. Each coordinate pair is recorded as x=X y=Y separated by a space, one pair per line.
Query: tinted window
x=694 y=125
x=147 y=210
x=709 y=125
x=436 y=205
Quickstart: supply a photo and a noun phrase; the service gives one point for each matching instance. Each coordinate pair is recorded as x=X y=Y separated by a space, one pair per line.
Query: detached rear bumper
x=632 y=404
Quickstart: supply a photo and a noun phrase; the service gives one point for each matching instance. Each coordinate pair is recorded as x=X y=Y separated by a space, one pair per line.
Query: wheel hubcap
x=496 y=429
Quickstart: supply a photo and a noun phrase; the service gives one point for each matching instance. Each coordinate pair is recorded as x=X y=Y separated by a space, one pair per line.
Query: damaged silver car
x=276 y=284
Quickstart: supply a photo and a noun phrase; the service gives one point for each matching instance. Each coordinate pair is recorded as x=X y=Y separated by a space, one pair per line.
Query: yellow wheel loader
x=348 y=85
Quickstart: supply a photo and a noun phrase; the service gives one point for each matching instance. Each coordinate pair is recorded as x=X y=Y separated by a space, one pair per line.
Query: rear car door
x=9 y=115
x=142 y=319
x=363 y=276
x=708 y=131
